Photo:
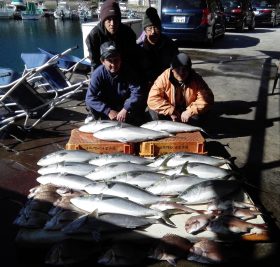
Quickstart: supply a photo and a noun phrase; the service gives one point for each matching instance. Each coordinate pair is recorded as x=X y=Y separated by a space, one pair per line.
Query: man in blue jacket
x=113 y=92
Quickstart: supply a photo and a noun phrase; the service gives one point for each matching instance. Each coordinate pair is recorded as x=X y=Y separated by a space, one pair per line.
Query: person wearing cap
x=179 y=93
x=157 y=48
x=113 y=92
x=110 y=28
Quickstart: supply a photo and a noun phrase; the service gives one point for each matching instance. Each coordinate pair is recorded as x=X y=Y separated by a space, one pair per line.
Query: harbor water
x=25 y=36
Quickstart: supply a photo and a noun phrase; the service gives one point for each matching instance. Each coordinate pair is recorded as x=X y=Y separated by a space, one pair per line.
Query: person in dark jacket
x=113 y=92
x=110 y=28
x=157 y=48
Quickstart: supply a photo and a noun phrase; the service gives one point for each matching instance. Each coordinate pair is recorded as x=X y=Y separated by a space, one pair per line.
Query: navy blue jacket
x=106 y=92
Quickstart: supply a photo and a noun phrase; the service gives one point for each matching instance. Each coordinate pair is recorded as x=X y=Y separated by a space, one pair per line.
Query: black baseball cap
x=108 y=49
x=181 y=60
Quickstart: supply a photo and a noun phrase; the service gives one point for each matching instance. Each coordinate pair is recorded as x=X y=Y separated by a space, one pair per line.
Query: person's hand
x=122 y=115
x=113 y=115
x=175 y=116
x=185 y=116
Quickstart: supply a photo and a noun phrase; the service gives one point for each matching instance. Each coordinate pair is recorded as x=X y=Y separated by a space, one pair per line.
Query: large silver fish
x=66 y=155
x=140 y=178
x=95 y=126
x=170 y=126
x=208 y=190
x=174 y=185
x=110 y=170
x=75 y=182
x=112 y=204
x=179 y=158
x=124 y=190
x=118 y=157
x=202 y=170
x=129 y=134
x=78 y=168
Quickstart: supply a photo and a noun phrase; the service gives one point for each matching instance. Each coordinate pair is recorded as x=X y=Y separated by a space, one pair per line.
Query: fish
x=99 y=223
x=35 y=219
x=179 y=158
x=227 y=224
x=196 y=223
x=174 y=185
x=124 y=190
x=77 y=168
x=228 y=204
x=98 y=125
x=113 y=204
x=75 y=182
x=140 y=178
x=202 y=170
x=132 y=134
x=170 y=126
x=207 y=251
x=113 y=169
x=119 y=157
x=209 y=190
x=170 y=248
x=66 y=155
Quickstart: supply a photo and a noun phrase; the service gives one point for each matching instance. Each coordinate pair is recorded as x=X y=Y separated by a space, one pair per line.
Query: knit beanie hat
x=151 y=18
x=181 y=60
x=110 y=8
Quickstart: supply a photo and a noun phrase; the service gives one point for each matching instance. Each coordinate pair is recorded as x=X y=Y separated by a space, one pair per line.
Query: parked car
x=239 y=14
x=197 y=20
x=267 y=12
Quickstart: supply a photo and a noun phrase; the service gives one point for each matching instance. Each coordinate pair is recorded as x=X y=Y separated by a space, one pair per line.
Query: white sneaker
x=88 y=119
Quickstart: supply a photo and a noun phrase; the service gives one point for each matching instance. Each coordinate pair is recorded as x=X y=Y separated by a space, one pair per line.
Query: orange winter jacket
x=199 y=97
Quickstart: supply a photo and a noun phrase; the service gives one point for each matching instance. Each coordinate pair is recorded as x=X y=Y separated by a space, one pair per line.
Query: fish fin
x=171 y=261
x=184 y=169
x=163 y=165
x=168 y=222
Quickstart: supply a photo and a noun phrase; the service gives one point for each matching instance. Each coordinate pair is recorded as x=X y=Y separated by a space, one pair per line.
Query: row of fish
x=85 y=196
x=126 y=133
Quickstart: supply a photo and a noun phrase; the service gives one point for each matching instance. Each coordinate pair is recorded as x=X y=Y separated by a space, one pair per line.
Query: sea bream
x=112 y=204
x=111 y=170
x=124 y=190
x=77 y=168
x=119 y=157
x=66 y=155
x=132 y=134
x=97 y=125
x=179 y=158
x=170 y=126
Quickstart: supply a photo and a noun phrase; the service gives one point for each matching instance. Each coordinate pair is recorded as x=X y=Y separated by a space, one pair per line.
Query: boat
x=6 y=11
x=62 y=11
x=31 y=12
x=84 y=13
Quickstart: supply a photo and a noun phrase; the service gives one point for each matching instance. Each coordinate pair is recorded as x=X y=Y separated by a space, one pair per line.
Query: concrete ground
x=244 y=126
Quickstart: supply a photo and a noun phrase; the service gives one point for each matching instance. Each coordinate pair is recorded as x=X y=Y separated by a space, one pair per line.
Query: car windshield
x=263 y=4
x=231 y=4
x=186 y=4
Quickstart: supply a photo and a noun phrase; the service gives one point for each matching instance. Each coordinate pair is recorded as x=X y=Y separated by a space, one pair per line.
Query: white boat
x=31 y=12
x=84 y=13
x=62 y=11
x=6 y=11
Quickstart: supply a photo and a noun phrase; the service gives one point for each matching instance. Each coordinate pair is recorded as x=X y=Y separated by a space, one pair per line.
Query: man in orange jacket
x=179 y=93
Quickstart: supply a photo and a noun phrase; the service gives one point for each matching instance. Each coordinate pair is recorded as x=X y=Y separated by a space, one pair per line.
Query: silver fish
x=170 y=126
x=66 y=155
x=77 y=168
x=229 y=204
x=129 y=134
x=174 y=185
x=111 y=170
x=112 y=204
x=202 y=170
x=98 y=125
x=72 y=181
x=140 y=178
x=179 y=158
x=208 y=190
x=118 y=157
x=124 y=190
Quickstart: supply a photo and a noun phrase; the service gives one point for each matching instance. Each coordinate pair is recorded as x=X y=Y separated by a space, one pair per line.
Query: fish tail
x=167 y=221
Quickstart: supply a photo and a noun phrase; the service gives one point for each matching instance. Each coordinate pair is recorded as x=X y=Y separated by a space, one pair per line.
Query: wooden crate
x=86 y=141
x=182 y=142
